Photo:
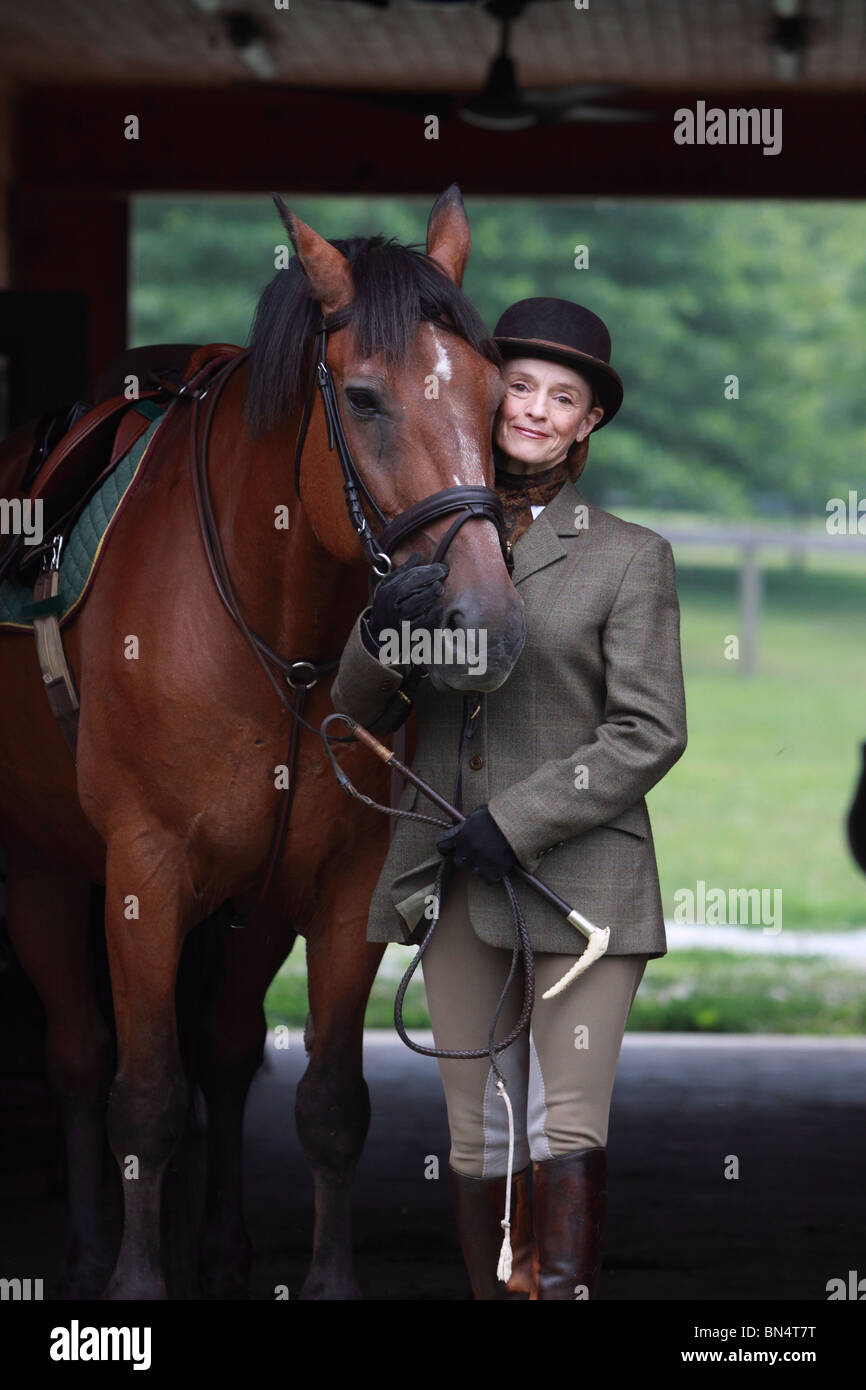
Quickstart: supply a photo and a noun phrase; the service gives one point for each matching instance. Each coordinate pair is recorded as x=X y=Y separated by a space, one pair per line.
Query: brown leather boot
x=480 y=1207
x=569 y=1196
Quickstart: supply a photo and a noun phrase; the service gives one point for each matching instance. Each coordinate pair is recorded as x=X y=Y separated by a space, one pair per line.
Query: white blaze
x=443 y=361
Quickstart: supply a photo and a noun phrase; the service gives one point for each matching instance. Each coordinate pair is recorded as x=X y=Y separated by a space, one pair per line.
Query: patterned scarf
x=520 y=492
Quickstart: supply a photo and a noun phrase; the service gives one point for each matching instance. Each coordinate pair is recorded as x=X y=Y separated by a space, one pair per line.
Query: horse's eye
x=363 y=402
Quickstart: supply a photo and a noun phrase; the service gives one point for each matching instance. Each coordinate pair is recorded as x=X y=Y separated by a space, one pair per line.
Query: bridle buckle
x=299 y=669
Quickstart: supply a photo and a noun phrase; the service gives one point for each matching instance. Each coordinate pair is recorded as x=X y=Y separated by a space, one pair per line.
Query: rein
x=469 y=499
x=471 y=502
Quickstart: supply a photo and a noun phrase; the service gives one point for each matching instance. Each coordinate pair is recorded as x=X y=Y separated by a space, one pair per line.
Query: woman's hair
x=576 y=457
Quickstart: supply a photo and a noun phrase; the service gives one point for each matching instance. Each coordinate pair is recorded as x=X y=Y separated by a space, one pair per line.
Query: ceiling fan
x=503 y=105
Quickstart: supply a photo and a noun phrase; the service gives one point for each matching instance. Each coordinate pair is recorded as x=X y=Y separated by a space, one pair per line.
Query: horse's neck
x=293 y=592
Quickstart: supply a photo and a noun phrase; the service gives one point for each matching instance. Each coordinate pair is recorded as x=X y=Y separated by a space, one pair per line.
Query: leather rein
x=468 y=500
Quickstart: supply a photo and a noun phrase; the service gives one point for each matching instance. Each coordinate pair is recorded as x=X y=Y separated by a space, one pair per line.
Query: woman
x=554 y=774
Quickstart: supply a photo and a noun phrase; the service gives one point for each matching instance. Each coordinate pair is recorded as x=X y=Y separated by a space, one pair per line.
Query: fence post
x=750 y=608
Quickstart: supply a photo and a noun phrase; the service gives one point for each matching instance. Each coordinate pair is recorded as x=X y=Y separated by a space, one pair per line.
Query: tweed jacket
x=564 y=752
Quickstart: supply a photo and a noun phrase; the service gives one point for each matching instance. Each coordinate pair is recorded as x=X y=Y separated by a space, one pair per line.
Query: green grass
x=760 y=797
x=722 y=992
x=695 y=991
x=286 y=1001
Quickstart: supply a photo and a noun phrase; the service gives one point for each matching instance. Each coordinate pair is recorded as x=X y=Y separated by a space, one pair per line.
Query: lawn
x=760 y=797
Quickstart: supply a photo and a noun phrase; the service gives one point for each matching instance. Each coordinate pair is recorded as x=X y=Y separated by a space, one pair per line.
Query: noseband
x=468 y=499
x=300 y=674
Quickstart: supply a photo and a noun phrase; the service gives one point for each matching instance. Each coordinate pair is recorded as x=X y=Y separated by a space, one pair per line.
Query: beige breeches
x=559 y=1078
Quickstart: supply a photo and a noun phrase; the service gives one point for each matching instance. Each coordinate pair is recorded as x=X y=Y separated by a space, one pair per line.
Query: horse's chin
x=473 y=680
x=486 y=662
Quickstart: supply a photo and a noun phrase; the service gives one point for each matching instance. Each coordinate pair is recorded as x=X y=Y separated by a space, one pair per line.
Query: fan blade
x=605 y=113
x=571 y=96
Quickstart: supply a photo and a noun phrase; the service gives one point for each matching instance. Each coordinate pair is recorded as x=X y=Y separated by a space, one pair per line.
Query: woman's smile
x=546 y=407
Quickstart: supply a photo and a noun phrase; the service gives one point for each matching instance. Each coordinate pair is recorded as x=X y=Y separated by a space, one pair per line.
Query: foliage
x=774 y=293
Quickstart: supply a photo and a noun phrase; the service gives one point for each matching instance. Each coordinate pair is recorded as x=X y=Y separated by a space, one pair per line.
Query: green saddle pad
x=84 y=542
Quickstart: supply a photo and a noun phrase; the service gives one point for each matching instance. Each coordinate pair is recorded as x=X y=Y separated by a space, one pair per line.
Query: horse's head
x=417 y=384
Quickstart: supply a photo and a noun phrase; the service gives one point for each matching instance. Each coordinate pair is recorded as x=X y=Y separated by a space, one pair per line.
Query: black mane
x=395 y=286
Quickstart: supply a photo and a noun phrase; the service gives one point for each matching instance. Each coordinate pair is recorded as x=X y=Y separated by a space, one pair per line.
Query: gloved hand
x=410 y=593
x=478 y=844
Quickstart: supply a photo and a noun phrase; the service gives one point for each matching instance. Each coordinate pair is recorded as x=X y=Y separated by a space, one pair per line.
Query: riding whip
x=597 y=937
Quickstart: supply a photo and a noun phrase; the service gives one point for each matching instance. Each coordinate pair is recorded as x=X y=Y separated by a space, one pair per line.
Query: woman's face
x=546 y=407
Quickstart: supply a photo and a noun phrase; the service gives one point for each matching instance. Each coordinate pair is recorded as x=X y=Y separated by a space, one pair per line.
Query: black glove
x=478 y=844
x=410 y=593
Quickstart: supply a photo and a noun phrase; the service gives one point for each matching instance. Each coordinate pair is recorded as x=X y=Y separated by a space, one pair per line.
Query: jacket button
x=476 y=762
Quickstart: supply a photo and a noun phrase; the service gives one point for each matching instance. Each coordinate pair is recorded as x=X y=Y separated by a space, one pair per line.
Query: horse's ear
x=327 y=270
x=448 y=239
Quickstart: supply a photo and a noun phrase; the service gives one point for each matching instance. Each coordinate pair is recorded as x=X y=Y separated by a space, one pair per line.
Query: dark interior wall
x=66 y=240
x=74 y=169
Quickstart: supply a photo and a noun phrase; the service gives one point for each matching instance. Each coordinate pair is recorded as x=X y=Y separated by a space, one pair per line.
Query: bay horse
x=172 y=803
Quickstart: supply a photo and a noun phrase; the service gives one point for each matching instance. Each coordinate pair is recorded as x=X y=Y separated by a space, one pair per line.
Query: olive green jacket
x=591 y=717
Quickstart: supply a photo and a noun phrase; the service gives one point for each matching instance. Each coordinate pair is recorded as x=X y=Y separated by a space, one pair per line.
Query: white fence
x=750 y=542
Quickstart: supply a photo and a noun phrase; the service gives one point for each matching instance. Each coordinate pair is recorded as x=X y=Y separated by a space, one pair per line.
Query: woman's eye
x=517 y=386
x=362 y=402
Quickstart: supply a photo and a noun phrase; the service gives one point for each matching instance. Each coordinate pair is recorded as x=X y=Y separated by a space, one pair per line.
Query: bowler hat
x=560 y=331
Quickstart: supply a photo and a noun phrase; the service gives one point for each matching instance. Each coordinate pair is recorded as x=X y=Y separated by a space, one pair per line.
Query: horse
x=173 y=799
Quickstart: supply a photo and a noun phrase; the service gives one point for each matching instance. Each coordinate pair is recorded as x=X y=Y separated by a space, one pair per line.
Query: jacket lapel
x=540 y=545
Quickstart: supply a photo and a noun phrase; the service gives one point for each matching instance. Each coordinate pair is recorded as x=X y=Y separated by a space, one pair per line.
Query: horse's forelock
x=395 y=286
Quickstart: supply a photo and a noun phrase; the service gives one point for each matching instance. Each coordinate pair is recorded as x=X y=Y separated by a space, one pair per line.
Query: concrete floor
x=790 y=1110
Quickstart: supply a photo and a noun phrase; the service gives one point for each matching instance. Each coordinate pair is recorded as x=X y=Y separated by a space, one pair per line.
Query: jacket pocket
x=634 y=820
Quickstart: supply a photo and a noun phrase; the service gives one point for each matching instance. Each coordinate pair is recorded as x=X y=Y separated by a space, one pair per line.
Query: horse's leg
x=146 y=918
x=48 y=912
x=332 y=1106
x=232 y=1045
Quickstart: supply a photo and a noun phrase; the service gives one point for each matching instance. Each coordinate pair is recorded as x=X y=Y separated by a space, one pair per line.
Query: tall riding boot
x=569 y=1196
x=480 y=1208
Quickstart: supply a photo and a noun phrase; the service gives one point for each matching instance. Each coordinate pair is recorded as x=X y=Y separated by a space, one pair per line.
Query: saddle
x=76 y=448
x=74 y=453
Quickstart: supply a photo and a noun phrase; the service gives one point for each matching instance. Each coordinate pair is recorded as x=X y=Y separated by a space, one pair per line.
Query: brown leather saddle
x=77 y=448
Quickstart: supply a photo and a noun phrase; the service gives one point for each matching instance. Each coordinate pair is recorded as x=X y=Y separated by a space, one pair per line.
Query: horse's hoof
x=224 y=1269
x=345 y=1290
x=85 y=1283
x=137 y=1291
x=224 y=1287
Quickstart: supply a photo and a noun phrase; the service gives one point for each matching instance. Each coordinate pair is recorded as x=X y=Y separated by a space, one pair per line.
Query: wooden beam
x=61 y=239
x=252 y=138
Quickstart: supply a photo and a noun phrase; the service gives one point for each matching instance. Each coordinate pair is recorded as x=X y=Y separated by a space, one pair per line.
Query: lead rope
x=503 y=1268
x=380 y=564
x=522 y=945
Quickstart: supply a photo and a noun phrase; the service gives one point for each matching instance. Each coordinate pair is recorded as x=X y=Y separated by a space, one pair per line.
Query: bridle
x=470 y=500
